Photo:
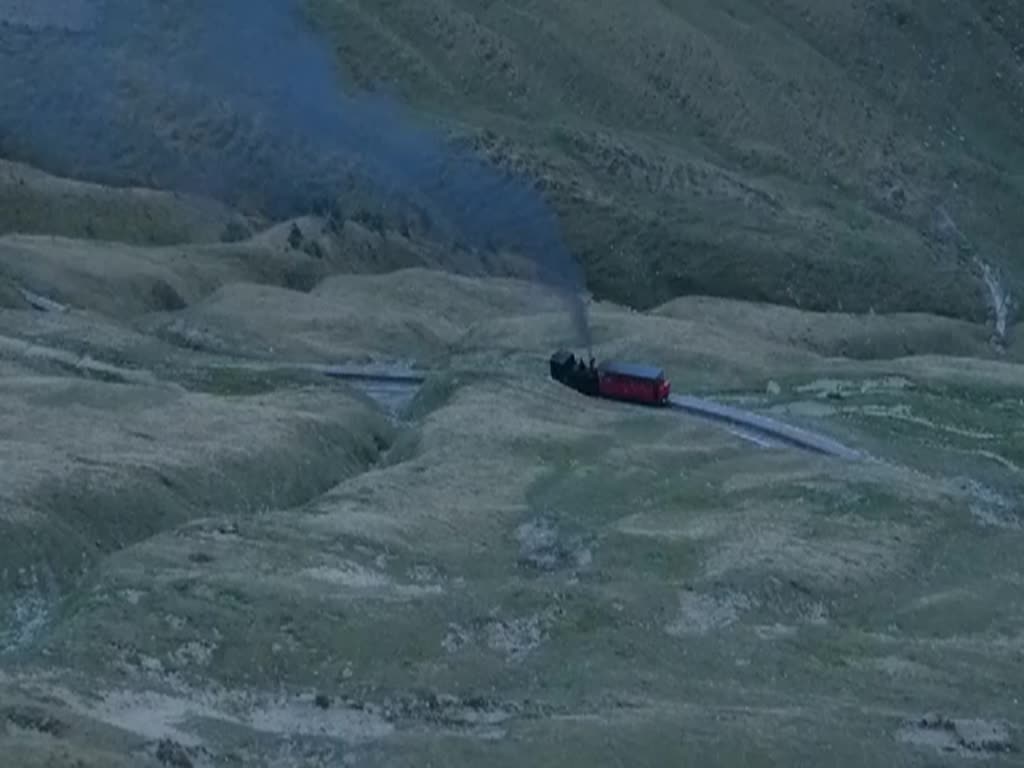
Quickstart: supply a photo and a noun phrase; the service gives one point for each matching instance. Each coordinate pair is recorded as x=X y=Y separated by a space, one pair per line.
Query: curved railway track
x=754 y=427
x=773 y=429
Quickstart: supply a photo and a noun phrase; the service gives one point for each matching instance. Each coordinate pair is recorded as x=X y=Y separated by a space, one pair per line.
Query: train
x=630 y=382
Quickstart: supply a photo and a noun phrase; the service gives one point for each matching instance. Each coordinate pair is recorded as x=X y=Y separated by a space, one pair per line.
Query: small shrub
x=295 y=237
x=234 y=231
x=313 y=248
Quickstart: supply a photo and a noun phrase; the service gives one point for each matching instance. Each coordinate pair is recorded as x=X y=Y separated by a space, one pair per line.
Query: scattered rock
x=322 y=700
x=455 y=638
x=701 y=613
x=468 y=712
x=515 y=638
x=196 y=652
x=983 y=736
x=32 y=718
x=966 y=736
x=543 y=548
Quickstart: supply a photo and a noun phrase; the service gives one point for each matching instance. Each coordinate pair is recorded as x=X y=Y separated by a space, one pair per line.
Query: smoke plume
x=239 y=100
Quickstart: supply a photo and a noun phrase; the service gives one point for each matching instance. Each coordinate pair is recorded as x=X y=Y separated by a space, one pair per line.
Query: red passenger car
x=617 y=381
x=630 y=381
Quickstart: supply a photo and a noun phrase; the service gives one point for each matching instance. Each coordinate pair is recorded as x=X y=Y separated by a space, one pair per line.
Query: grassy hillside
x=211 y=554
x=214 y=556
x=33 y=202
x=793 y=152
x=845 y=156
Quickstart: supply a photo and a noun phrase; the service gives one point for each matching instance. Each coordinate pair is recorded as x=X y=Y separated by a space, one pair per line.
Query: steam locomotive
x=635 y=383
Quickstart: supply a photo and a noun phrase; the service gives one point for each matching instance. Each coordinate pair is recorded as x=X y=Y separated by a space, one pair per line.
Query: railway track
x=757 y=424
x=761 y=430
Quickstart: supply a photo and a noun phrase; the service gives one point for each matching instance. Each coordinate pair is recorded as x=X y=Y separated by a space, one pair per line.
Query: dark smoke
x=238 y=100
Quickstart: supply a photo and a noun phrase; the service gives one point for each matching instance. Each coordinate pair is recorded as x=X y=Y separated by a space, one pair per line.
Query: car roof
x=636 y=370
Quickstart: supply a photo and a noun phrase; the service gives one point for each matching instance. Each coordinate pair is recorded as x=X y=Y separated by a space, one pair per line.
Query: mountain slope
x=852 y=156
x=215 y=555
x=792 y=151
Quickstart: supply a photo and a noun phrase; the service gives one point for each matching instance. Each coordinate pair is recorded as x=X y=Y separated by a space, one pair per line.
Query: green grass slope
x=213 y=557
x=33 y=202
x=794 y=152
